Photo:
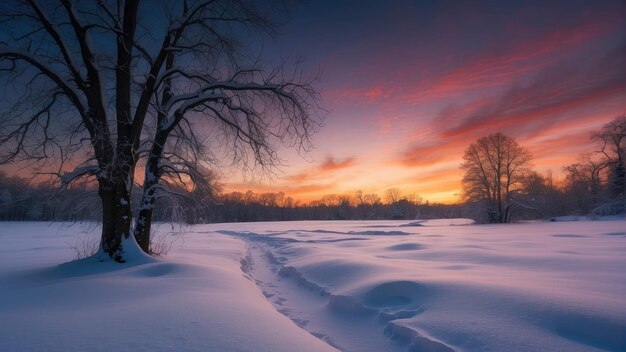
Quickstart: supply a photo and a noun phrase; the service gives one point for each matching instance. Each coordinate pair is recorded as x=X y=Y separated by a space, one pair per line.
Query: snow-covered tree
x=111 y=88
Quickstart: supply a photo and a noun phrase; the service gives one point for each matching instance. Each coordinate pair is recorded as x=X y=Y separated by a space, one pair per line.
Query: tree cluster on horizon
x=500 y=185
x=592 y=185
x=20 y=200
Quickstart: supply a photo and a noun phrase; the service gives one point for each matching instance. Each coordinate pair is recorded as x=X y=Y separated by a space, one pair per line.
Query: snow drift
x=297 y=286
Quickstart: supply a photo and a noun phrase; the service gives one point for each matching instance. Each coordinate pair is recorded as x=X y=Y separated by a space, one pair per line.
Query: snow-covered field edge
x=196 y=299
x=296 y=286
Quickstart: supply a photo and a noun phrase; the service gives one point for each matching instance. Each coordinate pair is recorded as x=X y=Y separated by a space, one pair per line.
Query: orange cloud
x=330 y=164
x=371 y=95
x=560 y=145
x=327 y=167
x=439 y=152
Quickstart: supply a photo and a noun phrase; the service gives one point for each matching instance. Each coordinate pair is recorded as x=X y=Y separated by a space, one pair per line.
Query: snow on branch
x=78 y=172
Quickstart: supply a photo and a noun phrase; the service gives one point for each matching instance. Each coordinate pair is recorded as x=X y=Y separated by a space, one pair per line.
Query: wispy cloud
x=408 y=97
x=553 y=98
x=327 y=167
x=498 y=67
x=548 y=99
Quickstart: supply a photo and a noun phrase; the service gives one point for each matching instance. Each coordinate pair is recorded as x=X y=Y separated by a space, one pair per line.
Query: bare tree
x=393 y=195
x=114 y=88
x=611 y=141
x=494 y=168
x=584 y=181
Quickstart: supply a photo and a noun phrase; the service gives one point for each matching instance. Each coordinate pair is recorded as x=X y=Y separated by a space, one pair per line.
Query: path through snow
x=393 y=286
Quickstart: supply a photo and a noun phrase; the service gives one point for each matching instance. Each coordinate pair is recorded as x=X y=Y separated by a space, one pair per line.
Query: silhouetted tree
x=393 y=197
x=611 y=141
x=113 y=87
x=584 y=182
x=494 y=167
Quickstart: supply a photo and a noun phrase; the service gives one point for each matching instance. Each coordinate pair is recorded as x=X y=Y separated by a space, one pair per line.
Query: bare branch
x=48 y=71
x=55 y=33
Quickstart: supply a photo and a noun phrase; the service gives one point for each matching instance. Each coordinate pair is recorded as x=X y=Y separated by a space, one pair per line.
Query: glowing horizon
x=409 y=86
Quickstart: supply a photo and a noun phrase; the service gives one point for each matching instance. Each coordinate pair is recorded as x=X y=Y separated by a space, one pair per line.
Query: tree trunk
x=116 y=218
x=151 y=180
x=144 y=219
x=506 y=216
x=152 y=173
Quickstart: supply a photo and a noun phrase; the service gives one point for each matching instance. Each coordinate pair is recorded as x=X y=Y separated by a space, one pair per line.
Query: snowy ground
x=317 y=286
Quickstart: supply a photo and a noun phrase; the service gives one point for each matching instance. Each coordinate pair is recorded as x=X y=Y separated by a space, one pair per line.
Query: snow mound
x=418 y=343
x=380 y=233
x=406 y=247
x=395 y=294
x=567 y=218
x=347 y=285
x=440 y=222
x=196 y=299
x=534 y=286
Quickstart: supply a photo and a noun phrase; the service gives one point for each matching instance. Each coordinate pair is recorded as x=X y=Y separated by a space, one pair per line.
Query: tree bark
x=116 y=217
x=151 y=180
x=144 y=218
x=152 y=173
x=143 y=227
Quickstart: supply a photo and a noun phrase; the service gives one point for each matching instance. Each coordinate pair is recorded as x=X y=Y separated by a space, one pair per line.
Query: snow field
x=317 y=286
x=431 y=287
x=196 y=300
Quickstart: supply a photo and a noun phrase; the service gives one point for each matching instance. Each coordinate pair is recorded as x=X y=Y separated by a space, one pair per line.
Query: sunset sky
x=409 y=84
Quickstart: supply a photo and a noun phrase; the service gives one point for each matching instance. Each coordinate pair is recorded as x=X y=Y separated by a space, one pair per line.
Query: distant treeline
x=250 y=206
x=22 y=201
x=540 y=197
x=595 y=184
